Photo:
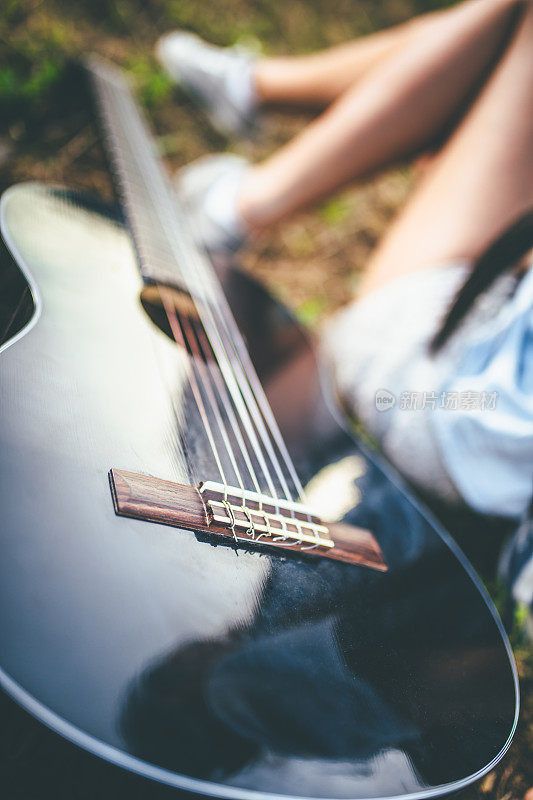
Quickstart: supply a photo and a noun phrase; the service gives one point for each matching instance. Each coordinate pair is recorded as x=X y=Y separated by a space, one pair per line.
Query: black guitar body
x=227 y=672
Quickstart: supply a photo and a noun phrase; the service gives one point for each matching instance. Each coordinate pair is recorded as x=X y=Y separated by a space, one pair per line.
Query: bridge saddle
x=261 y=517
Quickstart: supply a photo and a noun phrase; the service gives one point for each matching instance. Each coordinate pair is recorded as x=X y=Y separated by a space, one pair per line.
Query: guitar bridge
x=245 y=517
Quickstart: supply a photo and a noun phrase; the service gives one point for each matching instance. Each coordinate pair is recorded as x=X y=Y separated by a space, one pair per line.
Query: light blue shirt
x=488 y=447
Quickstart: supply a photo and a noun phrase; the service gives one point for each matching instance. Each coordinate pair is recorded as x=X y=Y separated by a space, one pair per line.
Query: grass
x=313 y=263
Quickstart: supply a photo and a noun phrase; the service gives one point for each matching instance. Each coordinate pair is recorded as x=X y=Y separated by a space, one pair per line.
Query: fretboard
x=151 y=207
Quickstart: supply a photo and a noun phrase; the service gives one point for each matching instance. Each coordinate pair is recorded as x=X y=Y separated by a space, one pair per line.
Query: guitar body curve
x=222 y=671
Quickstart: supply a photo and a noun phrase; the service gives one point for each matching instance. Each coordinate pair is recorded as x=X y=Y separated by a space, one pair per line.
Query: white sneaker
x=221 y=78
x=208 y=189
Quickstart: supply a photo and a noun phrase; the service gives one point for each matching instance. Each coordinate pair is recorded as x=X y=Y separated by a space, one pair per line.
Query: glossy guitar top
x=229 y=672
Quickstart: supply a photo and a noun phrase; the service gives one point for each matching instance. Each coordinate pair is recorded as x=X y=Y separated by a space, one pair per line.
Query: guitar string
x=230 y=452
x=238 y=398
x=199 y=365
x=162 y=199
x=118 y=158
x=209 y=379
x=211 y=398
x=205 y=277
x=148 y=186
x=206 y=351
x=213 y=333
x=168 y=305
x=226 y=402
x=226 y=343
x=263 y=431
x=180 y=337
x=184 y=335
x=252 y=382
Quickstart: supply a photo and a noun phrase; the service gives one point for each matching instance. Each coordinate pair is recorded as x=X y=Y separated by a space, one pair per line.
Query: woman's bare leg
x=393 y=112
x=480 y=182
x=316 y=80
x=319 y=78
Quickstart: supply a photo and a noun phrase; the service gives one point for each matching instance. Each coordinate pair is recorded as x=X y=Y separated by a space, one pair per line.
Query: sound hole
x=184 y=306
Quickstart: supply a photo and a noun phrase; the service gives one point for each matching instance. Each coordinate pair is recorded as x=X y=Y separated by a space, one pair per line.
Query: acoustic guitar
x=205 y=577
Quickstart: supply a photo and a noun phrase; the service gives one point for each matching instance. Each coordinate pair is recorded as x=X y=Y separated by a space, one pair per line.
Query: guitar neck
x=157 y=223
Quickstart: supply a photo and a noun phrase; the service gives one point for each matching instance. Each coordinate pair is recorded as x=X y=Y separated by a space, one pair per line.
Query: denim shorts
x=378 y=349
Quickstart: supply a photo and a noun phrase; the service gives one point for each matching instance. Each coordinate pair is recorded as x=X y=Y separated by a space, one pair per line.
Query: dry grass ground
x=312 y=263
x=47 y=133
